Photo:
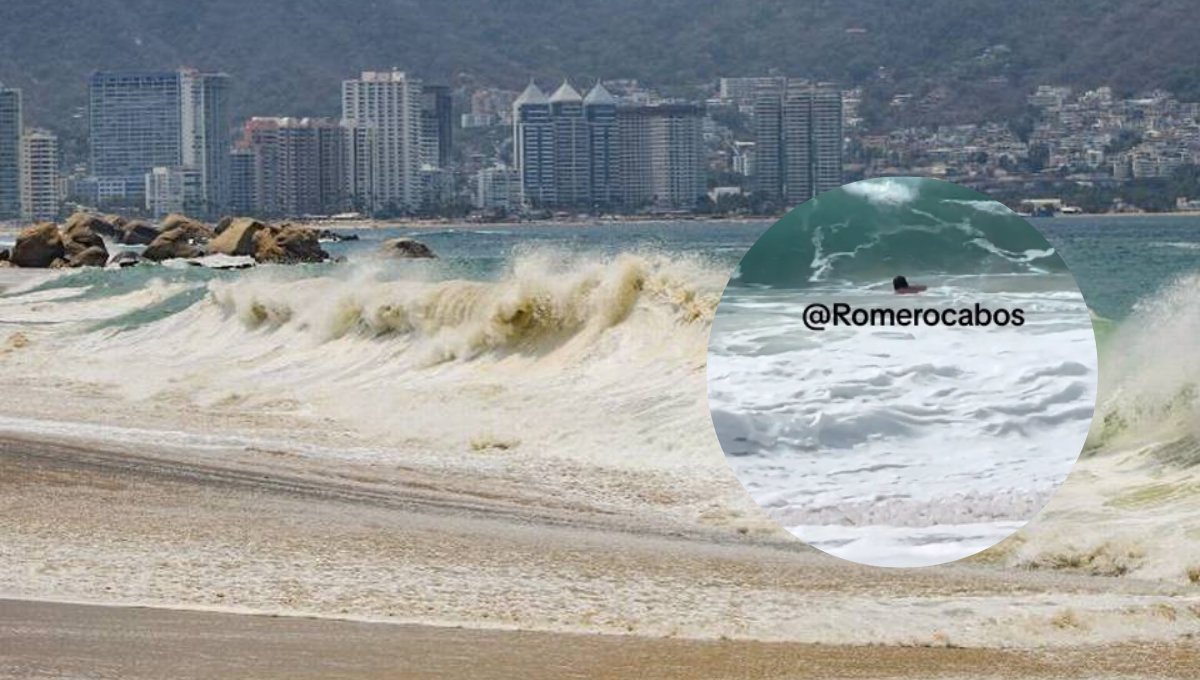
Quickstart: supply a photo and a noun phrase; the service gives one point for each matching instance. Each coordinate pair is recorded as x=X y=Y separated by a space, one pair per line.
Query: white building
x=384 y=111
x=498 y=188
x=173 y=190
x=41 y=197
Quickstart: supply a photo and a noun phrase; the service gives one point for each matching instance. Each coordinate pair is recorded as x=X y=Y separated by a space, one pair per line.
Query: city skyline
x=1089 y=137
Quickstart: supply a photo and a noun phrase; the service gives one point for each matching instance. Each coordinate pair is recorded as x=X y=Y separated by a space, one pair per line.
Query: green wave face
x=878 y=228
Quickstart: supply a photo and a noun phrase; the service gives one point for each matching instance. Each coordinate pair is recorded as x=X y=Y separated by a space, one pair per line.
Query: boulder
x=38 y=246
x=138 y=234
x=80 y=236
x=116 y=220
x=125 y=258
x=291 y=244
x=238 y=238
x=172 y=244
x=94 y=224
x=328 y=235
x=196 y=231
x=223 y=224
x=407 y=248
x=94 y=256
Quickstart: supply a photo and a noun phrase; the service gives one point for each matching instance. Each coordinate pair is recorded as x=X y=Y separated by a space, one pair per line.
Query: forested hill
x=288 y=56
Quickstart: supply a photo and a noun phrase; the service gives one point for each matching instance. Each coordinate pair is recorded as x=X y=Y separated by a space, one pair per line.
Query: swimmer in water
x=900 y=287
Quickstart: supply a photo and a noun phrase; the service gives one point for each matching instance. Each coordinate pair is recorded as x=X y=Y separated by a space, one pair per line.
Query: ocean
x=902 y=445
x=536 y=372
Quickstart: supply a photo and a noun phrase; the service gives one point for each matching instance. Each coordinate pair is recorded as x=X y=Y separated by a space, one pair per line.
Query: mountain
x=289 y=56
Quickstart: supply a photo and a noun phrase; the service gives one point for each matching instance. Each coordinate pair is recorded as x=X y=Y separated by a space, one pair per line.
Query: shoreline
x=136 y=643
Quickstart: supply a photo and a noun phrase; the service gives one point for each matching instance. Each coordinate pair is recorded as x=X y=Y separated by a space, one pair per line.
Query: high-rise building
x=243 y=196
x=745 y=90
x=571 y=148
x=206 y=124
x=292 y=166
x=437 y=126
x=661 y=155
x=533 y=147
x=41 y=196
x=498 y=188
x=600 y=112
x=160 y=119
x=565 y=147
x=11 y=133
x=798 y=142
x=178 y=189
x=386 y=107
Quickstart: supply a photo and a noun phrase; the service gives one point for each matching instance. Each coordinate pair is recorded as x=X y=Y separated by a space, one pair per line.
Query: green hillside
x=288 y=56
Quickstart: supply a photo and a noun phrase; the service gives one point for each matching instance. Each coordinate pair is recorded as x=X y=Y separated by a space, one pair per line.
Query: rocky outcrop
x=196 y=231
x=223 y=224
x=138 y=234
x=238 y=238
x=101 y=226
x=38 y=246
x=290 y=244
x=82 y=245
x=407 y=248
x=330 y=236
x=93 y=256
x=177 y=242
x=125 y=258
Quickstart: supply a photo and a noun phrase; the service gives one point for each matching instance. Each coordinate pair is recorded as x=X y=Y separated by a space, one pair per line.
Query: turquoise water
x=870 y=231
x=1121 y=261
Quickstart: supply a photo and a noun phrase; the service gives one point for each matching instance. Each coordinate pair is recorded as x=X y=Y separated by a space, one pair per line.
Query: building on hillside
x=661 y=157
x=11 y=134
x=498 y=188
x=294 y=167
x=384 y=109
x=177 y=189
x=565 y=147
x=141 y=120
x=798 y=142
x=41 y=193
x=437 y=126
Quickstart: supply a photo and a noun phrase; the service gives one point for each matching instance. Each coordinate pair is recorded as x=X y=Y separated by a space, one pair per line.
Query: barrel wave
x=876 y=229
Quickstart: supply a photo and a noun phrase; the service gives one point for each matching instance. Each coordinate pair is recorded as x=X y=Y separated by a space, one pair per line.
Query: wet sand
x=416 y=572
x=40 y=639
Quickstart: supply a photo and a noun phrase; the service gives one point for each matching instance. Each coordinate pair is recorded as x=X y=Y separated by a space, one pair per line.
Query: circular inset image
x=902 y=371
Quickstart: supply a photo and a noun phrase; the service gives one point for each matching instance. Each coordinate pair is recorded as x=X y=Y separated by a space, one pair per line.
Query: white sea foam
x=884 y=191
x=901 y=429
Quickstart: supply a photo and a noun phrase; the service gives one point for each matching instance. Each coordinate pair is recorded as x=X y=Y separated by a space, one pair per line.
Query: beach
x=503 y=450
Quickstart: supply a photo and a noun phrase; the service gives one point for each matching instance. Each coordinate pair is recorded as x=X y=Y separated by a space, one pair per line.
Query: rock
x=238 y=238
x=59 y=263
x=328 y=235
x=172 y=244
x=94 y=256
x=116 y=220
x=223 y=224
x=80 y=236
x=196 y=231
x=138 y=234
x=5 y=255
x=95 y=224
x=38 y=246
x=125 y=258
x=223 y=262
x=407 y=248
x=292 y=244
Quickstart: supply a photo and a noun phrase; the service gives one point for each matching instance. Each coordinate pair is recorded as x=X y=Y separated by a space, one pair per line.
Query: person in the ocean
x=900 y=287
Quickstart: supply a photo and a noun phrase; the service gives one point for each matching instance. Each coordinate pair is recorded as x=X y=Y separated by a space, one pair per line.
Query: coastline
x=146 y=643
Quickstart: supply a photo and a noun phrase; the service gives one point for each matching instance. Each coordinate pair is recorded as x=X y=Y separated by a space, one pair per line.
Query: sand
x=499 y=583
x=39 y=639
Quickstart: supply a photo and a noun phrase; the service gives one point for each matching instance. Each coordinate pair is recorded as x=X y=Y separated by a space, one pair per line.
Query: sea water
x=902 y=445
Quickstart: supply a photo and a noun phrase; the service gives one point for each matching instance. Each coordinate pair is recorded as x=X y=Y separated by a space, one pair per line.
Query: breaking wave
x=875 y=229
